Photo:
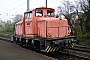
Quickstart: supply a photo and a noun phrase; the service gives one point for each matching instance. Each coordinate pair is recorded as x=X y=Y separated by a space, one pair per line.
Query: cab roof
x=40 y=8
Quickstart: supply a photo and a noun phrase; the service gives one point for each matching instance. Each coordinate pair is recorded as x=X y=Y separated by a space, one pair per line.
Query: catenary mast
x=28 y=8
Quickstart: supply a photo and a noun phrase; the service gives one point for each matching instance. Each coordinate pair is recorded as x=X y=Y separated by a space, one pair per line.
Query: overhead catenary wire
x=9 y=5
x=6 y=13
x=21 y=5
x=15 y=7
x=26 y=2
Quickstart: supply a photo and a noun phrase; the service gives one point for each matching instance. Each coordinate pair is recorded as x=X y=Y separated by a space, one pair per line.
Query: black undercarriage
x=45 y=44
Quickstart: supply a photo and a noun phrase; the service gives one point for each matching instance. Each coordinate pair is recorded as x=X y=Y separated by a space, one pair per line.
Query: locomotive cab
x=31 y=18
x=44 y=12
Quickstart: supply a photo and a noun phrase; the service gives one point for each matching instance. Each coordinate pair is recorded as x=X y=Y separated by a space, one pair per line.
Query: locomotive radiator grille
x=51 y=49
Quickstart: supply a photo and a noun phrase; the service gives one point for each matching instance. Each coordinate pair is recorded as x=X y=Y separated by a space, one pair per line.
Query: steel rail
x=76 y=53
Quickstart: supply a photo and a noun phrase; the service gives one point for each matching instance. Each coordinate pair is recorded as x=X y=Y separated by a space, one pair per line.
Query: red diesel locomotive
x=41 y=30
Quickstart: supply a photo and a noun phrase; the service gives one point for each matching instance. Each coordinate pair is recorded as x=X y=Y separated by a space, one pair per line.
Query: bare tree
x=79 y=12
x=85 y=8
x=17 y=18
x=67 y=9
x=81 y=8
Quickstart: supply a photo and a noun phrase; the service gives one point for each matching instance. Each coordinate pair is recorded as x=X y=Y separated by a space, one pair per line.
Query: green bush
x=84 y=39
x=85 y=42
x=7 y=29
x=84 y=36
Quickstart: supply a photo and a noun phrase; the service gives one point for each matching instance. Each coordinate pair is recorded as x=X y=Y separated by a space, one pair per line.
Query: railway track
x=77 y=51
x=81 y=48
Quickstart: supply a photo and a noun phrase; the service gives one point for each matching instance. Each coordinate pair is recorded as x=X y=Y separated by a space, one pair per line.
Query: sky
x=10 y=8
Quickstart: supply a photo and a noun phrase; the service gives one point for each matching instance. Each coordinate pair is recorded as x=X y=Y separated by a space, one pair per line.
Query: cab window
x=50 y=13
x=29 y=15
x=39 y=13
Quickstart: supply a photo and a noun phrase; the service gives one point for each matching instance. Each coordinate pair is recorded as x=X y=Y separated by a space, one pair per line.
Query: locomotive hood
x=52 y=18
x=55 y=21
x=55 y=27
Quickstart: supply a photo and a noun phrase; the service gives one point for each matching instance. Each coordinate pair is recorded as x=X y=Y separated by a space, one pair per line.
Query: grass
x=85 y=42
x=84 y=39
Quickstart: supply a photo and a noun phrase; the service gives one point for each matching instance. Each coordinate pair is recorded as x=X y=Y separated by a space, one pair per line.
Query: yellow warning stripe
x=52 y=49
x=56 y=48
x=49 y=49
x=73 y=44
x=70 y=46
